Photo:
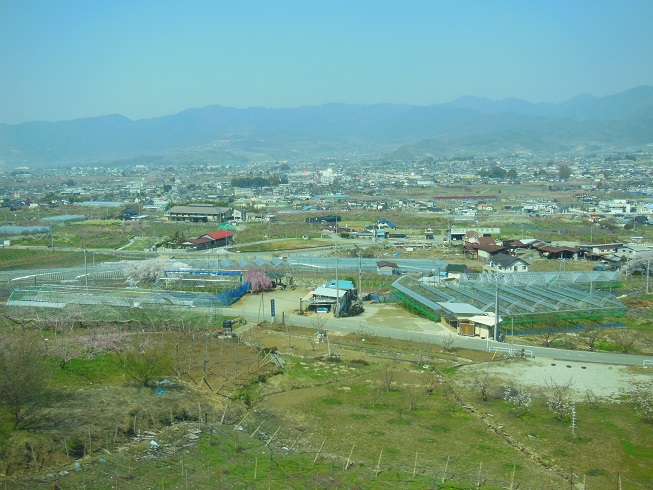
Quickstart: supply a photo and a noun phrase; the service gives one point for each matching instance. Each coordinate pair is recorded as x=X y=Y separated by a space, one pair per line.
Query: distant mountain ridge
x=216 y=134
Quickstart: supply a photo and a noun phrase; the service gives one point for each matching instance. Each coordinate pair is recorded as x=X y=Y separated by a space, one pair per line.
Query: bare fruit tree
x=590 y=336
x=24 y=378
x=625 y=339
x=447 y=341
x=482 y=382
x=387 y=376
x=412 y=398
x=318 y=321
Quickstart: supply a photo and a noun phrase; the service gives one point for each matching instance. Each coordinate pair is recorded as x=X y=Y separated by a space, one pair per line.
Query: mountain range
x=216 y=134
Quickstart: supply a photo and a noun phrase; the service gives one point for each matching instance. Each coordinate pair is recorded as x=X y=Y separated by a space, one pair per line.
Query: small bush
x=359 y=362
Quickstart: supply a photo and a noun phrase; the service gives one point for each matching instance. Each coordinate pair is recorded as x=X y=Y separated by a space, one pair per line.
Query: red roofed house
x=214 y=239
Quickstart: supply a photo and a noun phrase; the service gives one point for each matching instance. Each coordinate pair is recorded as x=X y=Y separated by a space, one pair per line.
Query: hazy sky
x=64 y=59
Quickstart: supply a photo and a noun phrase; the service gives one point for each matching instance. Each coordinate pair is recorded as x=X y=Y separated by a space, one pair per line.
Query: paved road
x=354 y=325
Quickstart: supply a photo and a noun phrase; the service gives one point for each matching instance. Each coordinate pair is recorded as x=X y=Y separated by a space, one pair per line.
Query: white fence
x=515 y=352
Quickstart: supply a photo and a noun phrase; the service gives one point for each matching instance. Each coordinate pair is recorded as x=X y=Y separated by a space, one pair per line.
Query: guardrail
x=647 y=363
x=515 y=352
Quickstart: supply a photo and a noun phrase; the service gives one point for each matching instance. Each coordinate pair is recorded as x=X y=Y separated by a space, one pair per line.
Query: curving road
x=354 y=325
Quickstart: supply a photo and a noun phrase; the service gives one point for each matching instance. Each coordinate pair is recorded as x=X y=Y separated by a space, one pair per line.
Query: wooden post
x=256 y=430
x=378 y=464
x=242 y=420
x=270 y=440
x=512 y=478
x=296 y=441
x=36 y=462
x=255 y=467
x=349 y=458
x=318 y=451
x=224 y=412
x=478 y=480
x=446 y=466
x=415 y=465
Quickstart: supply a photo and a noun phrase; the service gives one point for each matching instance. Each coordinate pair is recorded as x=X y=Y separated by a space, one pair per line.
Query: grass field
x=383 y=413
x=285 y=244
x=17 y=258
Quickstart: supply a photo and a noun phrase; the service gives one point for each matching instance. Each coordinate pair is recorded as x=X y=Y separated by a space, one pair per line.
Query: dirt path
x=604 y=380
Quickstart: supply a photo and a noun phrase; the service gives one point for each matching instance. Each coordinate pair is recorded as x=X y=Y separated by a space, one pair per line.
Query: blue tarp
x=341 y=284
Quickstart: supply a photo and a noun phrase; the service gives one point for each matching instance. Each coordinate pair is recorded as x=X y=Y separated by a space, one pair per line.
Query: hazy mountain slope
x=226 y=134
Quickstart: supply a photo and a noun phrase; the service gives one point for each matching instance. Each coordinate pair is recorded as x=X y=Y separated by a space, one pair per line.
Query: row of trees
x=271 y=181
x=559 y=396
x=496 y=172
x=592 y=338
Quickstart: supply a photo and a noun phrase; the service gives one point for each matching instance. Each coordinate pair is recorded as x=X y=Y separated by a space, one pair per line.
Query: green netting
x=416 y=305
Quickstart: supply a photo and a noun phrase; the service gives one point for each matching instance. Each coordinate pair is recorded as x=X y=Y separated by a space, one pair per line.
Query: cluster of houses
x=503 y=256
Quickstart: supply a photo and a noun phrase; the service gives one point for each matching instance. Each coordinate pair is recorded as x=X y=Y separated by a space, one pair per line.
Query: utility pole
x=85 y=268
x=360 y=277
x=512 y=333
x=496 y=308
x=337 y=312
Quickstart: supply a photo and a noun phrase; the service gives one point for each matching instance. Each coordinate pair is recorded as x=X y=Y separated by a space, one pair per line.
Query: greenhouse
x=63 y=219
x=101 y=292
x=120 y=304
x=13 y=230
x=522 y=299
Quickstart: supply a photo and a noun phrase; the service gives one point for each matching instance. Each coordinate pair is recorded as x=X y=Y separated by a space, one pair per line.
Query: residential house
x=502 y=262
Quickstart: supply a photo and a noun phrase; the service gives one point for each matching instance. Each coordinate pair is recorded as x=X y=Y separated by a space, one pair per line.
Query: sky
x=66 y=59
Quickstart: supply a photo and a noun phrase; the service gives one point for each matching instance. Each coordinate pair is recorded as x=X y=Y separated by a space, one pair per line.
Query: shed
x=453 y=314
x=386 y=267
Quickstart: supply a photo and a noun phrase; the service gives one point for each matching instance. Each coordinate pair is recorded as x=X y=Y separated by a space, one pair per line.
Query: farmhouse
x=387 y=268
x=502 y=262
x=205 y=213
x=214 y=239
